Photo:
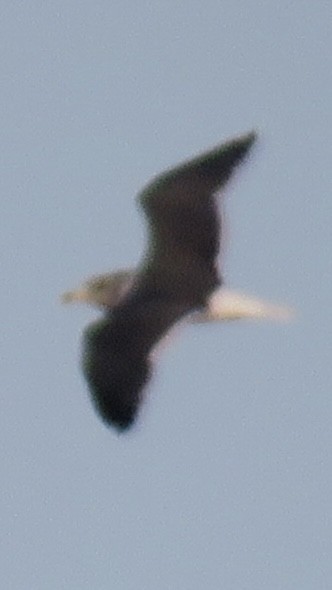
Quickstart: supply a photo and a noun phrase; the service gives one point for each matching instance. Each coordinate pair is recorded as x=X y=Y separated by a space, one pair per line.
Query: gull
x=178 y=279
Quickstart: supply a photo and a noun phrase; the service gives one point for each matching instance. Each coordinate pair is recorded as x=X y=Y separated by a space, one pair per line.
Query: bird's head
x=105 y=290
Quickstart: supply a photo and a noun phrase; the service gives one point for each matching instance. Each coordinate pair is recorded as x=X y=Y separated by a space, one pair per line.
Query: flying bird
x=105 y=291
x=177 y=278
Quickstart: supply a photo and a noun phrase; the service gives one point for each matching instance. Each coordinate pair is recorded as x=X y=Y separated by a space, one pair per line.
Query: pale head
x=104 y=290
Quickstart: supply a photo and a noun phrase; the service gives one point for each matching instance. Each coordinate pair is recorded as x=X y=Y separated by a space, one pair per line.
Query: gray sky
x=225 y=482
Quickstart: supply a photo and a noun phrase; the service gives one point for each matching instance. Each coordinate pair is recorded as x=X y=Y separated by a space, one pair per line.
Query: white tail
x=226 y=304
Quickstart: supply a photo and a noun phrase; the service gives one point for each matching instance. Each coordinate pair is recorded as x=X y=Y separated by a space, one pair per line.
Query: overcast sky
x=225 y=481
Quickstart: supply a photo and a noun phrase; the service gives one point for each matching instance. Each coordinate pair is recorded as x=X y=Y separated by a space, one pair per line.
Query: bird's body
x=177 y=277
x=105 y=291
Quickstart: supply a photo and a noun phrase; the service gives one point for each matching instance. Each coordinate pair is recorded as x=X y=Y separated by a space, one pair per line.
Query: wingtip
x=121 y=419
x=240 y=146
x=247 y=139
x=253 y=136
x=121 y=427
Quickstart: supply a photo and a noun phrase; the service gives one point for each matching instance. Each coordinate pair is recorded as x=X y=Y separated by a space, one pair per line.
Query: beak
x=79 y=296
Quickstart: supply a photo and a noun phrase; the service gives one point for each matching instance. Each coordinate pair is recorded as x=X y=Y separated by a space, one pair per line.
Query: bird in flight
x=105 y=291
x=178 y=278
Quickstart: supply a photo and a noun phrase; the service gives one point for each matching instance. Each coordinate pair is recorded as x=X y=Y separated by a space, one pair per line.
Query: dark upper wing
x=181 y=209
x=116 y=360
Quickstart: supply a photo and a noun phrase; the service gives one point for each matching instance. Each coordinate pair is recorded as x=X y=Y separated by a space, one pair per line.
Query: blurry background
x=225 y=481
